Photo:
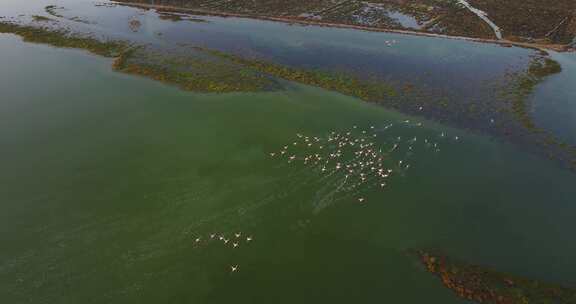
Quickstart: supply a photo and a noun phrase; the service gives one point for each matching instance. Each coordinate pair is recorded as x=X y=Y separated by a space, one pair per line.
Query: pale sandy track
x=482 y=15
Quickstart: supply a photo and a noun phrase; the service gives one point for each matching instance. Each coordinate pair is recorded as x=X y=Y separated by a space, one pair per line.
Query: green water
x=107 y=180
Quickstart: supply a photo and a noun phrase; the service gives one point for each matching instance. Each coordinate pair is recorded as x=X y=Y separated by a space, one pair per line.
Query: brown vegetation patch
x=63 y=38
x=485 y=285
x=532 y=20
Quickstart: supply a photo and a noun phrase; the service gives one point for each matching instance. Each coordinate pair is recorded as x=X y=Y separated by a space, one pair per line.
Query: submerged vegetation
x=519 y=126
x=369 y=90
x=518 y=93
x=215 y=71
x=526 y=82
x=38 y=18
x=407 y=98
x=64 y=39
x=208 y=71
x=176 y=18
x=545 y=67
x=201 y=69
x=485 y=285
x=170 y=17
x=191 y=72
x=53 y=11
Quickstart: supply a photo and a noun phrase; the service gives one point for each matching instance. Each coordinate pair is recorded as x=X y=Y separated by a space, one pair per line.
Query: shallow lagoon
x=443 y=64
x=109 y=179
x=554 y=102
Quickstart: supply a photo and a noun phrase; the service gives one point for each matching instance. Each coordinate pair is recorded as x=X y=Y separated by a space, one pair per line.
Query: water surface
x=554 y=102
x=112 y=185
x=107 y=181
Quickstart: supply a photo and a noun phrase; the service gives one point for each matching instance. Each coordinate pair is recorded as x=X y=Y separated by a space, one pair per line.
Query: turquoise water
x=107 y=181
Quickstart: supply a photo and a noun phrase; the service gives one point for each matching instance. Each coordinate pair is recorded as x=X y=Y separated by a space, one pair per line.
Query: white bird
x=238 y=234
x=234 y=268
x=197 y=240
x=248 y=239
x=234 y=245
x=361 y=199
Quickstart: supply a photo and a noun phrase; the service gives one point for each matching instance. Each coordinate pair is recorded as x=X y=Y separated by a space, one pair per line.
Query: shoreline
x=305 y=22
x=518 y=128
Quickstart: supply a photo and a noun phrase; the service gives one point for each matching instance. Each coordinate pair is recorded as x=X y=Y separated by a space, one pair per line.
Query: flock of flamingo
x=345 y=165
x=356 y=160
